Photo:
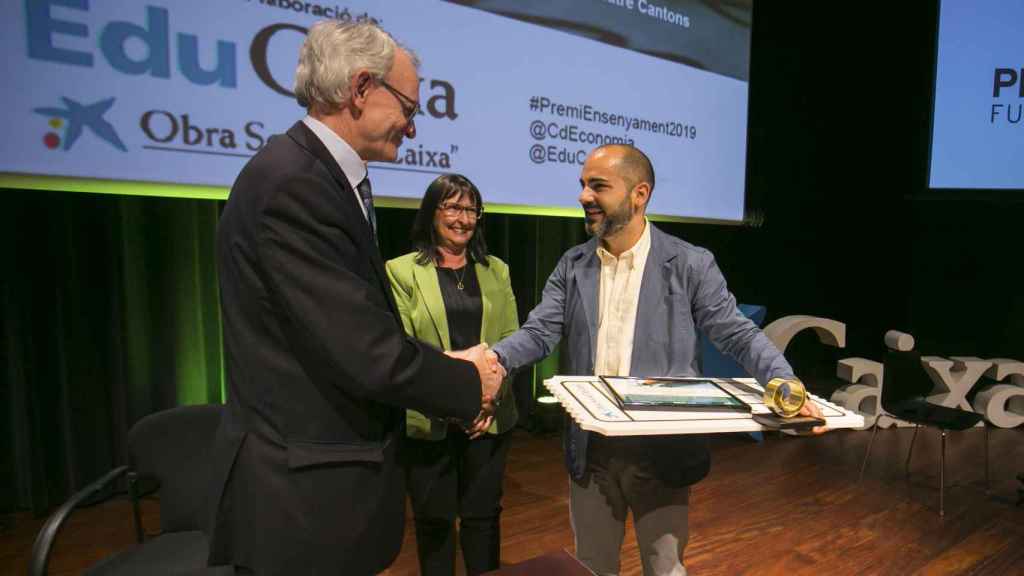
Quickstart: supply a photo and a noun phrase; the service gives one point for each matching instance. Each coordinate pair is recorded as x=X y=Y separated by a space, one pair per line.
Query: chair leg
x=906 y=465
x=988 y=483
x=867 y=453
x=942 y=478
x=133 y=491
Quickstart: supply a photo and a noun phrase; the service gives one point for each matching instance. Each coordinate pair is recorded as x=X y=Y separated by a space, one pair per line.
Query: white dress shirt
x=349 y=162
x=618 y=296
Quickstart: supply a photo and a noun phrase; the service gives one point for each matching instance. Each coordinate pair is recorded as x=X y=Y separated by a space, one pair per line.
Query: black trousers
x=457 y=478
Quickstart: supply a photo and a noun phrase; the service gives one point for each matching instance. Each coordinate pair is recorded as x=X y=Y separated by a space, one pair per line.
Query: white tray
x=585 y=399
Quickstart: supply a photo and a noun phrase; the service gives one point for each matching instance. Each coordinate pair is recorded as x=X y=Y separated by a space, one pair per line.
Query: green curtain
x=109 y=308
x=111 y=312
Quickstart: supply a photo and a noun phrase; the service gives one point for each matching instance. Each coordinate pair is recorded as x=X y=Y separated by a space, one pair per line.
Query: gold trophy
x=785 y=397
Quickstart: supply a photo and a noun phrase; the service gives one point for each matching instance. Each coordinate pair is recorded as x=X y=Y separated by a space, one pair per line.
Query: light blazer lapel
x=651 y=305
x=488 y=285
x=427 y=283
x=587 y=270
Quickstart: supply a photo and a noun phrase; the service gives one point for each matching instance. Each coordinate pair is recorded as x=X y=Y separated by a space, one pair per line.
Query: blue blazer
x=682 y=292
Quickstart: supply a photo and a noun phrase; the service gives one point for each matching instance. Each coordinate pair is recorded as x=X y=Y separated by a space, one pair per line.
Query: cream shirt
x=618 y=296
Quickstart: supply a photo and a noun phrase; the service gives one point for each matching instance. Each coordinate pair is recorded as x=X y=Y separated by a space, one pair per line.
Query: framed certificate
x=671 y=393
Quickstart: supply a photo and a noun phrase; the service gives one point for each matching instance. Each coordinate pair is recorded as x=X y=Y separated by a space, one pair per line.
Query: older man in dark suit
x=319 y=367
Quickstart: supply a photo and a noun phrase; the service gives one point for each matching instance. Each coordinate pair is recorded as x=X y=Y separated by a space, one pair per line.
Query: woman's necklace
x=465 y=264
x=459 y=277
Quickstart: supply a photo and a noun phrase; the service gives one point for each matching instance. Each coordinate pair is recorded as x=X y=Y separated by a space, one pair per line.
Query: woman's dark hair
x=424 y=236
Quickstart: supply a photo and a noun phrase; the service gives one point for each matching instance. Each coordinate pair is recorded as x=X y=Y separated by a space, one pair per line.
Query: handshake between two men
x=492 y=374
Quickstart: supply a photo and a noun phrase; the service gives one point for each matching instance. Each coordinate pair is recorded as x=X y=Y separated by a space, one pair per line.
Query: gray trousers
x=616 y=481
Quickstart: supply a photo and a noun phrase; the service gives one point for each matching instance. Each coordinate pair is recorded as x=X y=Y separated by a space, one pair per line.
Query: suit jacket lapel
x=488 y=283
x=651 y=304
x=587 y=270
x=427 y=283
x=310 y=141
x=305 y=137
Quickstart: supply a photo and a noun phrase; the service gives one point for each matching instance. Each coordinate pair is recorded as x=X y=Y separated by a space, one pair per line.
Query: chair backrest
x=903 y=378
x=174 y=448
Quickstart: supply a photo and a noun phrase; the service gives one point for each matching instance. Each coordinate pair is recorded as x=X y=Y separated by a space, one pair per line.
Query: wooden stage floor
x=785 y=506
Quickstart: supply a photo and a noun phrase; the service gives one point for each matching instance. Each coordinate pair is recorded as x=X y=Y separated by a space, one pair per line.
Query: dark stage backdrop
x=109 y=304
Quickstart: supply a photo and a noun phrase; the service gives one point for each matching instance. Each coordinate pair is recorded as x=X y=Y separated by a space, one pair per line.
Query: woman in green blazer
x=453 y=295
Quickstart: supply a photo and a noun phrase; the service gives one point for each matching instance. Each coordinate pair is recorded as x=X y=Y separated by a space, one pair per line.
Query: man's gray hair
x=332 y=53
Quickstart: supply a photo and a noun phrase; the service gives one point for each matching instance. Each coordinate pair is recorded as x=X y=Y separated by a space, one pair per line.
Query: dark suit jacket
x=319 y=371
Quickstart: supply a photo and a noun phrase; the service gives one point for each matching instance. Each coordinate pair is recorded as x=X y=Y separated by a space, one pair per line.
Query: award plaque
x=785 y=397
x=659 y=406
x=668 y=393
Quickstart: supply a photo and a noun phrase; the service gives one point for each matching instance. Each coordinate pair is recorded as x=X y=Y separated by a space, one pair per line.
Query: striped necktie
x=367 y=197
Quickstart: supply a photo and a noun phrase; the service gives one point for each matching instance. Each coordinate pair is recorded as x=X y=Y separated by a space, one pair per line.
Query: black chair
x=903 y=395
x=171 y=448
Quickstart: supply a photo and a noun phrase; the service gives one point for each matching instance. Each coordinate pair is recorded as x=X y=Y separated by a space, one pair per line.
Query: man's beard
x=613 y=221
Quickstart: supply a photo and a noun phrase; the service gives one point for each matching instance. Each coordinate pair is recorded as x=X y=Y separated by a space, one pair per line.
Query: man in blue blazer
x=631 y=301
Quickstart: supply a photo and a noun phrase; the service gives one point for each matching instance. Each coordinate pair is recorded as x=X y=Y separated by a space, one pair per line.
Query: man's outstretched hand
x=490 y=370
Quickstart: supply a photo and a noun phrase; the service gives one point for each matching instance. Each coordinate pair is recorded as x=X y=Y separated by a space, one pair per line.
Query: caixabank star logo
x=74 y=118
